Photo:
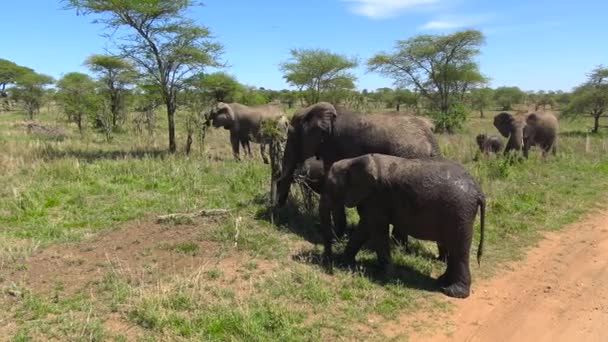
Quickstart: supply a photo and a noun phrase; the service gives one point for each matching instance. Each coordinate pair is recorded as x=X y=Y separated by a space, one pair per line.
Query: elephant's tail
x=482 y=219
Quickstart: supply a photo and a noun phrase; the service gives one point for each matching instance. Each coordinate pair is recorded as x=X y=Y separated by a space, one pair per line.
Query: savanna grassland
x=82 y=256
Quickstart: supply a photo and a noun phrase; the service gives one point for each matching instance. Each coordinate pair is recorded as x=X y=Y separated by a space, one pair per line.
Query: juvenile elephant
x=322 y=131
x=489 y=144
x=432 y=199
x=525 y=131
x=244 y=123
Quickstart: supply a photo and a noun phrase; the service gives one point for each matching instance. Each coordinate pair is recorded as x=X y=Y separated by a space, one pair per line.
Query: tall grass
x=54 y=191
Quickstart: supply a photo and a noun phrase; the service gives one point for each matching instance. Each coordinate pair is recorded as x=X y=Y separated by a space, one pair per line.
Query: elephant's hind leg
x=456 y=281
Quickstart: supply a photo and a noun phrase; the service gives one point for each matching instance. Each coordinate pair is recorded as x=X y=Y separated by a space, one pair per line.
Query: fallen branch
x=201 y=213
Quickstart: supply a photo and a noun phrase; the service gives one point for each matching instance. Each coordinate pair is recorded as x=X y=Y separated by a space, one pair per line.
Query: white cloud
x=385 y=8
x=451 y=22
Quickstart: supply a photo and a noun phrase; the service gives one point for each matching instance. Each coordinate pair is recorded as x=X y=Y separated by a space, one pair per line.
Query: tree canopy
x=10 y=72
x=29 y=90
x=481 y=99
x=115 y=74
x=76 y=93
x=507 y=97
x=318 y=71
x=160 y=40
x=591 y=97
x=441 y=67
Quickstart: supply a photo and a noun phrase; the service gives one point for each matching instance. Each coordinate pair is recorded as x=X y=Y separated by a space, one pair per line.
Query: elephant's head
x=222 y=116
x=512 y=127
x=481 y=139
x=352 y=180
x=308 y=130
x=504 y=123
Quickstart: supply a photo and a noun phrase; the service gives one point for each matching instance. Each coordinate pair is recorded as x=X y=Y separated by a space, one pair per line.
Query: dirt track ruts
x=559 y=292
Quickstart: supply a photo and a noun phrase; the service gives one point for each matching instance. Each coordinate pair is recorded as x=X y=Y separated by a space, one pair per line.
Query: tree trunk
x=188 y=143
x=171 y=122
x=596 y=123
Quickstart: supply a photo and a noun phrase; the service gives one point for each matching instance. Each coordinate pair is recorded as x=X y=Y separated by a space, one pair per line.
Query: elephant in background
x=331 y=135
x=527 y=130
x=489 y=144
x=244 y=123
x=429 y=199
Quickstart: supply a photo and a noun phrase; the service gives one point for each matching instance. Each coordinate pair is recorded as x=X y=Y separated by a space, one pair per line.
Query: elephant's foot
x=443 y=281
x=387 y=272
x=328 y=263
x=457 y=290
x=347 y=261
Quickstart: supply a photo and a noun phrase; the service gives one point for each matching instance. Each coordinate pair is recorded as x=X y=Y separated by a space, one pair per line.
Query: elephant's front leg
x=380 y=241
x=360 y=235
x=338 y=214
x=234 y=141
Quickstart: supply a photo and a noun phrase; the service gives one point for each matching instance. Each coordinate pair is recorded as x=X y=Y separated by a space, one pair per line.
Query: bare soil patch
x=141 y=246
x=558 y=293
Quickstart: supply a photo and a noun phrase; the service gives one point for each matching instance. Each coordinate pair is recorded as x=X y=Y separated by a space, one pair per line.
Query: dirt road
x=558 y=293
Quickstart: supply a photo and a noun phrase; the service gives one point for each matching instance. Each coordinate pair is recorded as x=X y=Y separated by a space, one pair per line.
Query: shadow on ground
x=292 y=218
x=402 y=274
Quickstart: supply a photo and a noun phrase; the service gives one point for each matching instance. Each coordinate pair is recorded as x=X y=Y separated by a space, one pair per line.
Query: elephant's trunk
x=290 y=162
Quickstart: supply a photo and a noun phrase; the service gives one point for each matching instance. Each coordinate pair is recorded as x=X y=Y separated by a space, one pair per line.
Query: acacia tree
x=591 y=97
x=115 y=74
x=77 y=95
x=217 y=86
x=318 y=71
x=29 y=90
x=507 y=97
x=165 y=45
x=440 y=67
x=481 y=98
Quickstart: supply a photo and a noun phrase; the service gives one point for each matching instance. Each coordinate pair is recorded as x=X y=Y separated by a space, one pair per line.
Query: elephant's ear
x=319 y=117
x=360 y=180
x=504 y=123
x=225 y=109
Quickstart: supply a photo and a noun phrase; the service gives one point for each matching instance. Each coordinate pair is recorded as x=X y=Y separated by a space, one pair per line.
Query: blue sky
x=535 y=45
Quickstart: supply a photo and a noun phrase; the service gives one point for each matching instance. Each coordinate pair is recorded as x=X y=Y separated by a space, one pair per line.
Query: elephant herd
x=391 y=170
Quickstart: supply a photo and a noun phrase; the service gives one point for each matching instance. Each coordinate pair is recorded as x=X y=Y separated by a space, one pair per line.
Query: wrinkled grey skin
x=313 y=174
x=244 y=124
x=429 y=199
x=489 y=144
x=322 y=131
x=525 y=131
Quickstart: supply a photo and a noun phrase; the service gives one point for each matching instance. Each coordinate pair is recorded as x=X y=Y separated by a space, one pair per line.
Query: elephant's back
x=435 y=180
x=403 y=136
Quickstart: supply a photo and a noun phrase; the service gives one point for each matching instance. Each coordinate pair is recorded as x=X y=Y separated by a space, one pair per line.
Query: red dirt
x=558 y=293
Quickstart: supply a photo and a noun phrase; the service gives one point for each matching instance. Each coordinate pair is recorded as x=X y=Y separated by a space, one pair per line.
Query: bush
x=452 y=120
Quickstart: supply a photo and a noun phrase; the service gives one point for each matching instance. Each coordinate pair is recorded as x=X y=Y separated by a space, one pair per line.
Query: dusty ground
x=558 y=293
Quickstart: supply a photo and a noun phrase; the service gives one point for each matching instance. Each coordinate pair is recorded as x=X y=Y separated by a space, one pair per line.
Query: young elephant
x=430 y=199
x=489 y=144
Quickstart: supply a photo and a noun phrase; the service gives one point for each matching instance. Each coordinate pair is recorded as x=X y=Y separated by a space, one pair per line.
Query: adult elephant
x=244 y=123
x=525 y=131
x=322 y=131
